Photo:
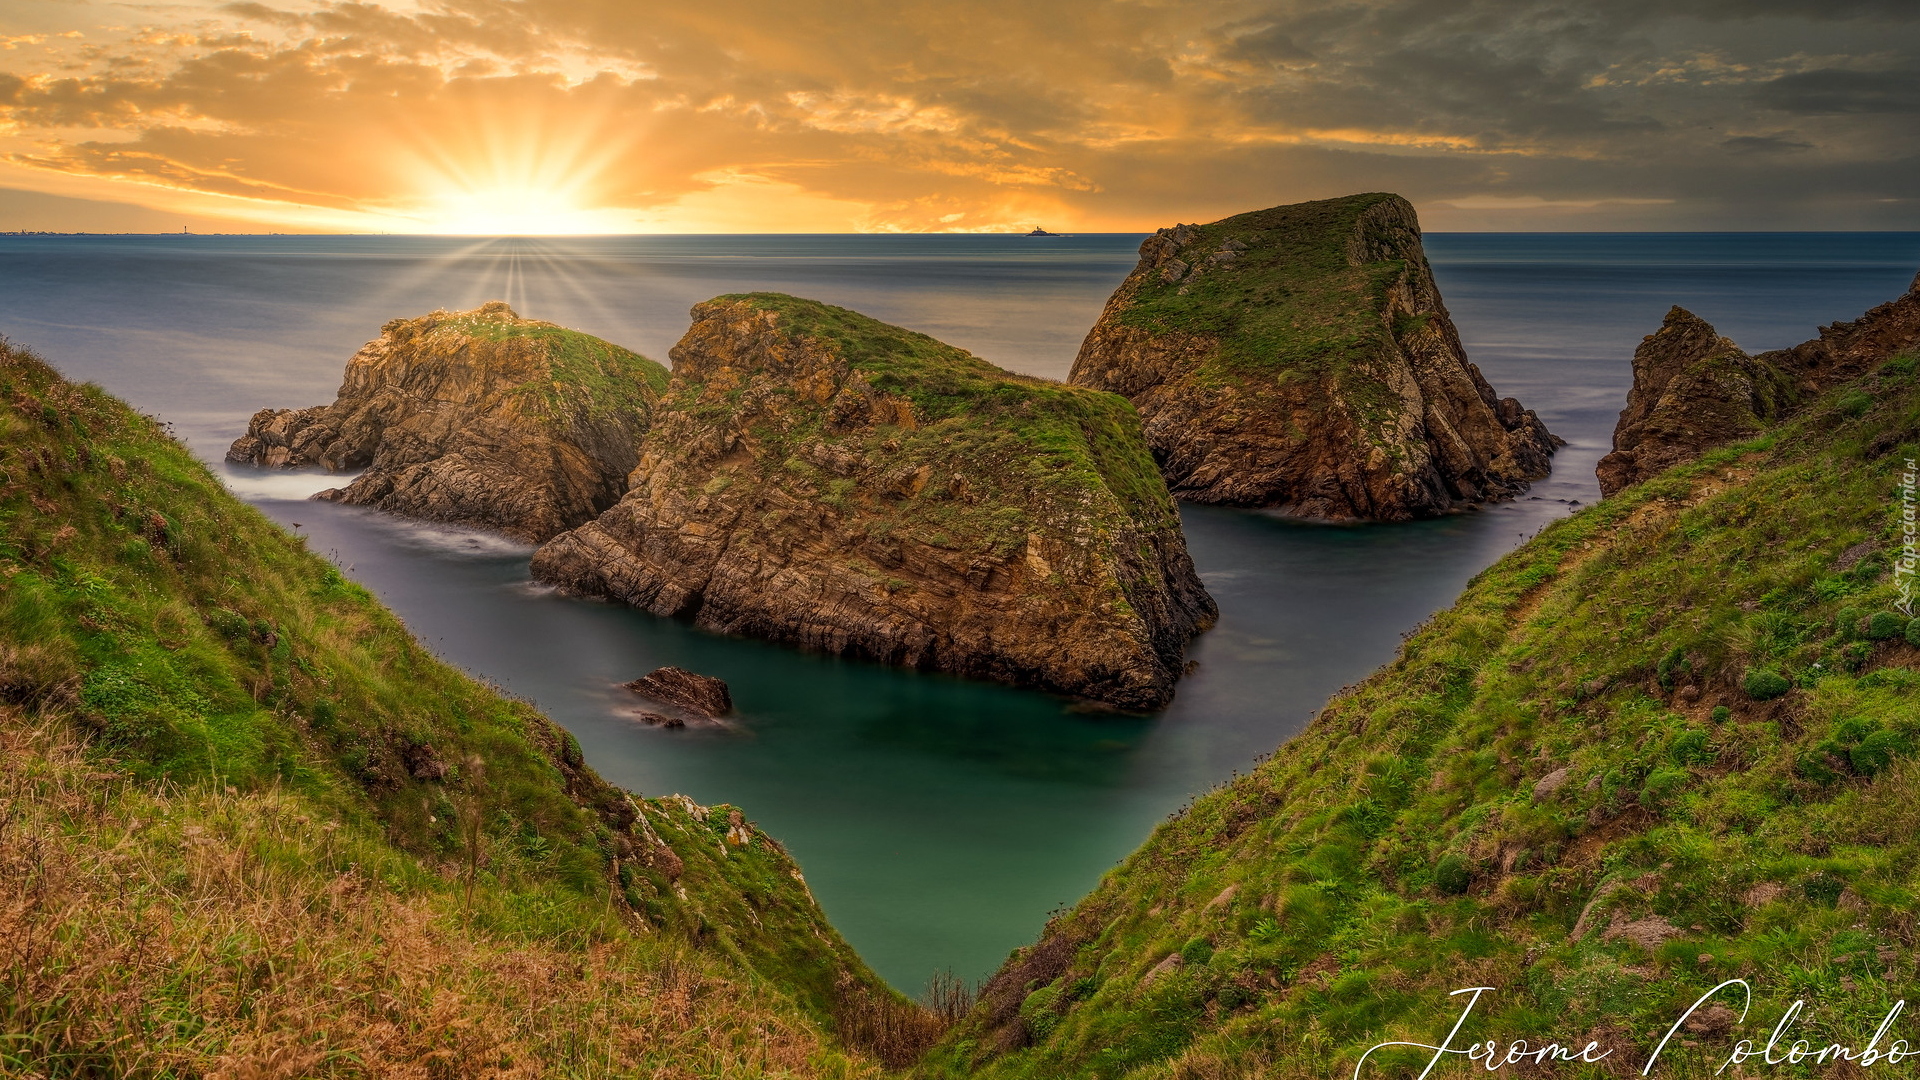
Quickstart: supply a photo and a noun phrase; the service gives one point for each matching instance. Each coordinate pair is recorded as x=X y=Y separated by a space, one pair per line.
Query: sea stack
x=817 y=477
x=1694 y=390
x=477 y=418
x=1300 y=358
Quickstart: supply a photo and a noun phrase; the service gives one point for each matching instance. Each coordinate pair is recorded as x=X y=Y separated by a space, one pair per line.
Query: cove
x=938 y=820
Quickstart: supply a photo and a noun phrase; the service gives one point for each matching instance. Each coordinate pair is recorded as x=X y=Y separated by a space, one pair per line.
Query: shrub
x=1876 y=752
x=1913 y=632
x=1886 y=625
x=1663 y=784
x=1452 y=876
x=1039 y=1012
x=1673 y=663
x=1721 y=714
x=1763 y=685
x=1690 y=748
x=1848 y=622
x=1198 y=951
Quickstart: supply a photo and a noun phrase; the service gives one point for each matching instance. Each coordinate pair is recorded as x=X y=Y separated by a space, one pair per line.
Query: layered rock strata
x=1694 y=390
x=479 y=418
x=1301 y=358
x=817 y=477
x=702 y=694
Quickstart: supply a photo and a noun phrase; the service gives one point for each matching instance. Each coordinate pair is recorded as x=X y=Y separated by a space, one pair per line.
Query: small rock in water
x=662 y=721
x=703 y=694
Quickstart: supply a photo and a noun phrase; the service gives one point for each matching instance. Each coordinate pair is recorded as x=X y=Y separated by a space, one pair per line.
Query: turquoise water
x=938 y=820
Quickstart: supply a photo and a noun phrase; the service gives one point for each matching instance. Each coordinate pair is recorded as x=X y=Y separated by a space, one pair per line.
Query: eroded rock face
x=703 y=694
x=820 y=478
x=1694 y=390
x=1301 y=358
x=478 y=418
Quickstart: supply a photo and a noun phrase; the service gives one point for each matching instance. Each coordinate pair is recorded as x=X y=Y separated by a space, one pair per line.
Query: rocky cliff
x=1694 y=390
x=817 y=477
x=1301 y=358
x=479 y=418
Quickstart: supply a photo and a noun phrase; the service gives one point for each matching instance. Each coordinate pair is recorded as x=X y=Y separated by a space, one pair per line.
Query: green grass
x=204 y=655
x=591 y=382
x=1395 y=851
x=1032 y=441
x=1288 y=306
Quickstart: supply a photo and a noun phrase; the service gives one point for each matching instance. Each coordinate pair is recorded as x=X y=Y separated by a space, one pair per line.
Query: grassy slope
x=1396 y=850
x=269 y=744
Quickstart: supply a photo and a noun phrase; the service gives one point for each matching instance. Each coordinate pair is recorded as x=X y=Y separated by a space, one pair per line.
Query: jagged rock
x=478 y=418
x=1694 y=390
x=703 y=694
x=817 y=477
x=1301 y=358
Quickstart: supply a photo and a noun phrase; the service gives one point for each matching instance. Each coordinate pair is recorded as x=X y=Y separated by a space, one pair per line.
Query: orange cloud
x=569 y=115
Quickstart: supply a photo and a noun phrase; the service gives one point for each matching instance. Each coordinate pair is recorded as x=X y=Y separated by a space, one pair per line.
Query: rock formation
x=817 y=477
x=702 y=694
x=1694 y=390
x=479 y=418
x=1300 y=358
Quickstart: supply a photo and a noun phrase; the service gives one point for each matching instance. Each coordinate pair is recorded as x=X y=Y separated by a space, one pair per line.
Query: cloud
x=978 y=114
x=1840 y=91
x=1763 y=144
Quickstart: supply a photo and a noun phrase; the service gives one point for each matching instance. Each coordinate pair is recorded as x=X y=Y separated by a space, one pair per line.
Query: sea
x=938 y=820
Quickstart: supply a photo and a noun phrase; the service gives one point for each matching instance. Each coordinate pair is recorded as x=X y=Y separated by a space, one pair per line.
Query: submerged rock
x=1301 y=358
x=478 y=418
x=817 y=477
x=703 y=694
x=1694 y=390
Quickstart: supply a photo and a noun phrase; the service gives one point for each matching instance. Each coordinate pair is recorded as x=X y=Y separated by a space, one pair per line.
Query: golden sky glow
x=591 y=116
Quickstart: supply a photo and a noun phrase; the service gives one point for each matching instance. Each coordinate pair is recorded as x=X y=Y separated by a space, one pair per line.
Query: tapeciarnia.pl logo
x=1903 y=566
x=1778 y=1049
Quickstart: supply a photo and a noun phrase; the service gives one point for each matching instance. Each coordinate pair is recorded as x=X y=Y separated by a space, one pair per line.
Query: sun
x=515 y=211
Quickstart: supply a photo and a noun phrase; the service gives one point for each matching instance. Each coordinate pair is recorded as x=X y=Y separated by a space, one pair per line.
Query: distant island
x=1038 y=231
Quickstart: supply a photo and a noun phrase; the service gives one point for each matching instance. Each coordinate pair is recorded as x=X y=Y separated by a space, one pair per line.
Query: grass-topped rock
x=1300 y=358
x=818 y=477
x=1570 y=787
x=1694 y=390
x=478 y=418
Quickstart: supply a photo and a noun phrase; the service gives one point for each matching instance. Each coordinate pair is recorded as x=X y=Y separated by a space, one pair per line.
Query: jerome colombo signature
x=1491 y=1055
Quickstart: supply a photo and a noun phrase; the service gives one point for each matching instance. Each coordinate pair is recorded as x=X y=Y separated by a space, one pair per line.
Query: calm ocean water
x=938 y=820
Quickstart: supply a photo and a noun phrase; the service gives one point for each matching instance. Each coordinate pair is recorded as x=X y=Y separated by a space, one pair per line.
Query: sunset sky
x=562 y=116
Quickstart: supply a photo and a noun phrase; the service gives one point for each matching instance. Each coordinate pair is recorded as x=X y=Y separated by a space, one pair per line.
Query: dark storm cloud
x=1763 y=144
x=1840 y=91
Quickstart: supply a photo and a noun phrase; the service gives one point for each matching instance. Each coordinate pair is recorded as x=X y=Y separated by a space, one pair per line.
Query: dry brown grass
x=201 y=931
x=896 y=1031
